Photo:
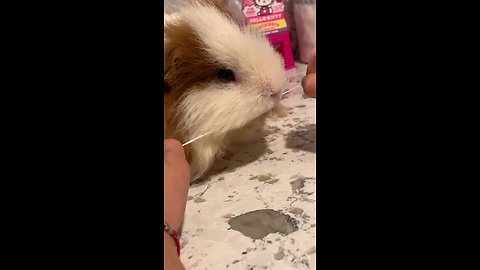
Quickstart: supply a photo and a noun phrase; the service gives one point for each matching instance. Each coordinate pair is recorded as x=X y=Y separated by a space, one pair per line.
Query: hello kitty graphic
x=264 y=15
x=265 y=7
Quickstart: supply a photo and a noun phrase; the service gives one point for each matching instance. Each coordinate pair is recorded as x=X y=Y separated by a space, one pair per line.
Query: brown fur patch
x=187 y=62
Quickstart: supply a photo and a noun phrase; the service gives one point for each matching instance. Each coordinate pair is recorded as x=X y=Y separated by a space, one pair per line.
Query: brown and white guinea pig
x=218 y=76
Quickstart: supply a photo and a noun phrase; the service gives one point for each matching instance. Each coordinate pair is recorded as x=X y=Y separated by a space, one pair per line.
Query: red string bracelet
x=173 y=234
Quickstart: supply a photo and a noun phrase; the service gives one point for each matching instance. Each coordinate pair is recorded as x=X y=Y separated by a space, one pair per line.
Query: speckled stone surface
x=277 y=173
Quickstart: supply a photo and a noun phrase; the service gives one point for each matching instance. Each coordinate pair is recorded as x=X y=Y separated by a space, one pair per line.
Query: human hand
x=176 y=180
x=309 y=82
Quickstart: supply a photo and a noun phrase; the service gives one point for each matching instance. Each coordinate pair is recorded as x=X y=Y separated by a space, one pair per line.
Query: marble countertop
x=223 y=228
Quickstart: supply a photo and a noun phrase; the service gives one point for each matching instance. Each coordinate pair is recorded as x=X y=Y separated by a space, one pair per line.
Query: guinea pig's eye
x=226 y=75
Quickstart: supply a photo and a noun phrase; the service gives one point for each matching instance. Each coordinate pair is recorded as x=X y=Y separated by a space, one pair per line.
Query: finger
x=312 y=63
x=176 y=182
x=174 y=158
x=309 y=84
x=173 y=149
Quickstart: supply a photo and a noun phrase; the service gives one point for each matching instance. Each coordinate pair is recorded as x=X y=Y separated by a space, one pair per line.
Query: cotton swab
x=198 y=137
x=291 y=89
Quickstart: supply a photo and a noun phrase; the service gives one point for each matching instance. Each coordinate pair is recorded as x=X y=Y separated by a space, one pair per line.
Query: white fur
x=220 y=106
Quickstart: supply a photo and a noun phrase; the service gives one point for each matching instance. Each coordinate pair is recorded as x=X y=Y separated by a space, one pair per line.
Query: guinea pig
x=220 y=77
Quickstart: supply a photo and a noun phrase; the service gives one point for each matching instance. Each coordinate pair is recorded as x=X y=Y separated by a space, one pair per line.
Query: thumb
x=173 y=150
x=312 y=63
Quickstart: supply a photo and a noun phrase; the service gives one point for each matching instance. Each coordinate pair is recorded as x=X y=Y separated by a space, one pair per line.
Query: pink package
x=268 y=16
